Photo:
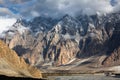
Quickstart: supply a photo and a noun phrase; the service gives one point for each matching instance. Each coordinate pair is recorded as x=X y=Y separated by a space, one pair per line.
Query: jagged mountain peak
x=88 y=33
x=67 y=24
x=42 y=24
x=68 y=18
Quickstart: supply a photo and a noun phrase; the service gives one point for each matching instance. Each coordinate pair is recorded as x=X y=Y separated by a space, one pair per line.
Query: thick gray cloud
x=117 y=6
x=1 y=1
x=60 y=7
x=33 y=8
x=18 y=1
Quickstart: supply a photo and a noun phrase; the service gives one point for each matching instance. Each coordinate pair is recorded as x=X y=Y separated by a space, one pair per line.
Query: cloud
x=117 y=6
x=1 y=1
x=35 y=14
x=5 y=11
x=5 y=24
x=18 y=1
x=15 y=8
x=72 y=7
x=55 y=8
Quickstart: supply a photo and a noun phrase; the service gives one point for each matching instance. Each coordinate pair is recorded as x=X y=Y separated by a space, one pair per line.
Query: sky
x=11 y=10
x=55 y=8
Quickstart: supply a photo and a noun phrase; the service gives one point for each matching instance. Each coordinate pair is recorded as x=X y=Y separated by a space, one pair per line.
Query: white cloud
x=35 y=13
x=5 y=24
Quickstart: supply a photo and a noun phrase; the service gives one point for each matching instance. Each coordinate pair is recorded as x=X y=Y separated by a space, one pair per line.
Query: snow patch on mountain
x=19 y=27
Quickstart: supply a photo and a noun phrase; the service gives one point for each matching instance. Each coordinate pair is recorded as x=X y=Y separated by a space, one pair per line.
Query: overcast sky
x=55 y=8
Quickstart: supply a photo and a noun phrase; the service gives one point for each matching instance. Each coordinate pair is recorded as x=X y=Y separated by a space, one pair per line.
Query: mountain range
x=84 y=40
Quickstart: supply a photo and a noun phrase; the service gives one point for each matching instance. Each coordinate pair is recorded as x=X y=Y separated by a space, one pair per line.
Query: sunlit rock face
x=57 y=41
x=13 y=65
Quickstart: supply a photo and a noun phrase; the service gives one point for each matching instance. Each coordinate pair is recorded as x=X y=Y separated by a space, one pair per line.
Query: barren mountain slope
x=12 y=65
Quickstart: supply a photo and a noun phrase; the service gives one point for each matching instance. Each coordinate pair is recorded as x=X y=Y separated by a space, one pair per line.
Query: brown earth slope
x=12 y=65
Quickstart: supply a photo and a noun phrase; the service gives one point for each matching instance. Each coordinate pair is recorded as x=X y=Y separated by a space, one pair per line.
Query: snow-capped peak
x=67 y=24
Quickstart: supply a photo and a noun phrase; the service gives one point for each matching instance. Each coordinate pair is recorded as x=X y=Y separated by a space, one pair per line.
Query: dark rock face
x=113 y=51
x=57 y=41
x=42 y=24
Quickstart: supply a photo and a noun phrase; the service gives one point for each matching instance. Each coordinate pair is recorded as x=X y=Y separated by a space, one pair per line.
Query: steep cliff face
x=113 y=44
x=12 y=65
